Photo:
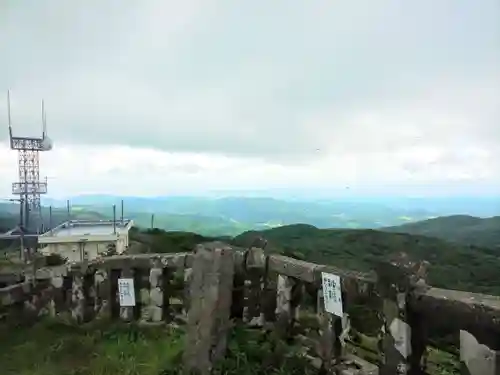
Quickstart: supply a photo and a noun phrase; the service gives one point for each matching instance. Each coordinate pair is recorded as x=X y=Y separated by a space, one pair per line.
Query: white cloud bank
x=162 y=97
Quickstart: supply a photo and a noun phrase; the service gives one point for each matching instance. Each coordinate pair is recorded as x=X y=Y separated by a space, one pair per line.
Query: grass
x=10 y=260
x=55 y=348
x=439 y=362
x=103 y=348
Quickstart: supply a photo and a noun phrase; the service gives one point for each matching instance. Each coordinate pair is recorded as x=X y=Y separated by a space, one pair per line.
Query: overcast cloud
x=157 y=97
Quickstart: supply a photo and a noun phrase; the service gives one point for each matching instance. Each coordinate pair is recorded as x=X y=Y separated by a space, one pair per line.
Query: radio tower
x=29 y=187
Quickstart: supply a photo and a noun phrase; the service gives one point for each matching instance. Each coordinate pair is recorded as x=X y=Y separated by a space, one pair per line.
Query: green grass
x=439 y=362
x=55 y=348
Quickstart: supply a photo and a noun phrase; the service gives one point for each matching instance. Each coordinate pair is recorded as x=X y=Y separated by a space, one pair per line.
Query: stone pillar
x=55 y=304
x=175 y=294
x=188 y=276
x=402 y=343
x=331 y=345
x=253 y=289
x=283 y=305
x=325 y=332
x=156 y=293
x=77 y=298
x=477 y=358
x=102 y=305
x=144 y=295
x=210 y=304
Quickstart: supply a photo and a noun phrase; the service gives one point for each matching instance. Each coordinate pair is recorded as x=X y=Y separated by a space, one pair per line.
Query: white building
x=79 y=240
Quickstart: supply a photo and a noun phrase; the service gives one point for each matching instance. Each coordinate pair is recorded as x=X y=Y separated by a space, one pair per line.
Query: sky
x=185 y=97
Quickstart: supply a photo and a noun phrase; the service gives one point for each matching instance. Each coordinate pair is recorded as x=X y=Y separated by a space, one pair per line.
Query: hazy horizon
x=164 y=98
x=285 y=194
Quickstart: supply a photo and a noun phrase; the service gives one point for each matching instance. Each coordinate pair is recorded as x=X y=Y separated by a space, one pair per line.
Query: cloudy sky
x=163 y=97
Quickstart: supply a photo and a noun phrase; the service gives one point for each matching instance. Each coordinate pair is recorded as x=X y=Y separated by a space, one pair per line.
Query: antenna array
x=29 y=187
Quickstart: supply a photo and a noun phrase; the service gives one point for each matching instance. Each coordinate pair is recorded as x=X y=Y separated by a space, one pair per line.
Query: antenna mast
x=29 y=187
x=44 y=121
x=10 y=121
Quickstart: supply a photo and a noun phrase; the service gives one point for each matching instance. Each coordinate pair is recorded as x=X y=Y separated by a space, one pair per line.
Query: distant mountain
x=233 y=215
x=453 y=266
x=481 y=206
x=457 y=228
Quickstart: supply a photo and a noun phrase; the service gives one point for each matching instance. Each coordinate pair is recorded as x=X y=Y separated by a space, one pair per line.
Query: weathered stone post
x=284 y=311
x=255 y=261
x=102 y=304
x=331 y=346
x=156 y=292
x=56 y=284
x=403 y=338
x=326 y=333
x=77 y=298
x=477 y=358
x=210 y=304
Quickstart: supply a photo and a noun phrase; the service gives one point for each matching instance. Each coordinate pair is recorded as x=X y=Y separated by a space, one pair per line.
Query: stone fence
x=217 y=285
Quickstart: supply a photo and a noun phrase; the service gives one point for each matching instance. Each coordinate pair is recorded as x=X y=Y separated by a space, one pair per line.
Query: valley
x=230 y=215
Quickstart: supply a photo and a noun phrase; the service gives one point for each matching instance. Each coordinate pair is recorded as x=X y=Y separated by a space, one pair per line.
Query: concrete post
x=77 y=298
x=209 y=309
x=284 y=311
x=477 y=358
x=156 y=293
x=403 y=336
x=255 y=260
x=102 y=303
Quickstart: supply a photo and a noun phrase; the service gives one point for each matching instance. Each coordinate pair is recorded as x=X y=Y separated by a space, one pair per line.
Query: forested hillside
x=453 y=266
x=462 y=229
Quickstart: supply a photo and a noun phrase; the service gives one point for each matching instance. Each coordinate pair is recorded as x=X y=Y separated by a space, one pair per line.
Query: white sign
x=126 y=292
x=332 y=294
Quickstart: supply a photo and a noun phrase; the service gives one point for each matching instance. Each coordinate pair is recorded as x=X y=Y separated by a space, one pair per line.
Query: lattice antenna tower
x=29 y=187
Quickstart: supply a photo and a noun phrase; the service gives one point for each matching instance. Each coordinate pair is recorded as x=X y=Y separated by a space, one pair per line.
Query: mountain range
x=231 y=216
x=456 y=228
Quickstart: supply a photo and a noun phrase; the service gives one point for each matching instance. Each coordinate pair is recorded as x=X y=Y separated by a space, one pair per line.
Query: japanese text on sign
x=332 y=293
x=126 y=292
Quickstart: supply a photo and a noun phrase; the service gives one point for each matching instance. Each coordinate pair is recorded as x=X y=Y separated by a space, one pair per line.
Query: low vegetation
x=55 y=348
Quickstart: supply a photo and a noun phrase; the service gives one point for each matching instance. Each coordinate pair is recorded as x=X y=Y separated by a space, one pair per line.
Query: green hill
x=453 y=266
x=160 y=241
x=462 y=229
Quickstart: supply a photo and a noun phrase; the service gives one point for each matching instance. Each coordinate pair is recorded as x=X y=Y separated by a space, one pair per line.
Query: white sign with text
x=126 y=292
x=332 y=294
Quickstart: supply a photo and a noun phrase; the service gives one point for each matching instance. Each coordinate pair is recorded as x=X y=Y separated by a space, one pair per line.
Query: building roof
x=81 y=228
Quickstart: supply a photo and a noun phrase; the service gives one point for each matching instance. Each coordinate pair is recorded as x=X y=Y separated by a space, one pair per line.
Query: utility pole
x=50 y=219
x=114 y=219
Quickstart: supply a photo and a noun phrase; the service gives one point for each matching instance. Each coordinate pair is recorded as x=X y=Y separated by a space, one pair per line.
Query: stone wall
x=217 y=286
